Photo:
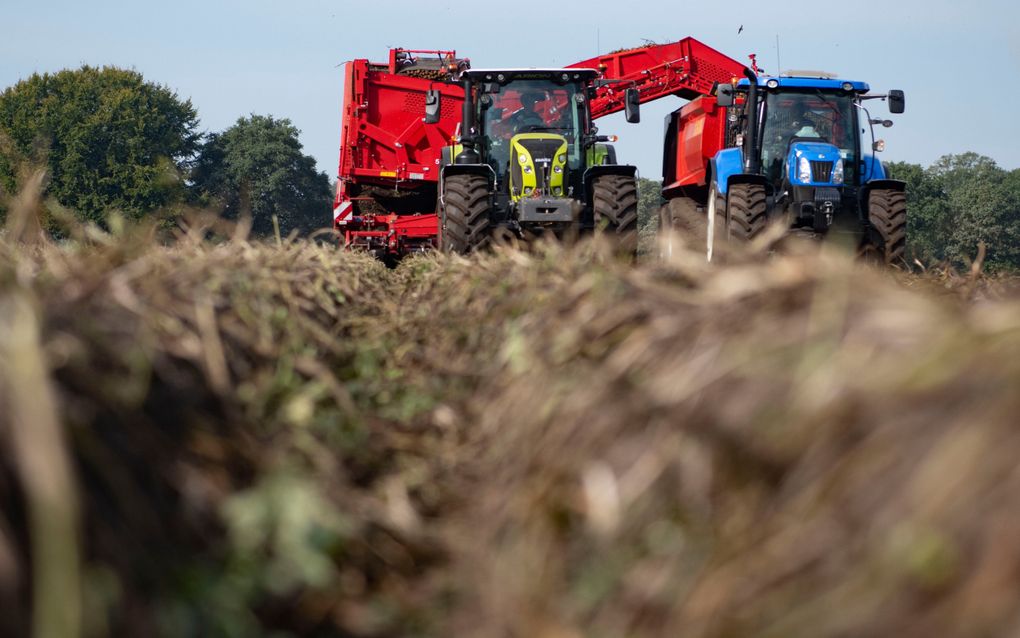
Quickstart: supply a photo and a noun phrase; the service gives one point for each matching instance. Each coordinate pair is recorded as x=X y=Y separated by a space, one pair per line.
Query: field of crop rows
x=232 y=438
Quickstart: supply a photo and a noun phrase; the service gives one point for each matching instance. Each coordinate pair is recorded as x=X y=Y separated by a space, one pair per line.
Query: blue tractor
x=787 y=149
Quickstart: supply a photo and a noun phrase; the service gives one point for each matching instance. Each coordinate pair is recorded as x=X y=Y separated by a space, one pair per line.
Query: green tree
x=109 y=139
x=958 y=202
x=257 y=167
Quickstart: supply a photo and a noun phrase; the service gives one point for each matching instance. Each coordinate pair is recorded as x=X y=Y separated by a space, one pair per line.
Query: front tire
x=746 y=211
x=615 y=205
x=464 y=225
x=886 y=240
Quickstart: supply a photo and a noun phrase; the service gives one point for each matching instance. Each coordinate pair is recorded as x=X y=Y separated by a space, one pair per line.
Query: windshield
x=808 y=116
x=530 y=106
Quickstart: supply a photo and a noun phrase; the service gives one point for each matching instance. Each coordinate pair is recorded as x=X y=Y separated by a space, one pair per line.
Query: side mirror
x=432 y=106
x=896 y=101
x=724 y=95
x=632 y=105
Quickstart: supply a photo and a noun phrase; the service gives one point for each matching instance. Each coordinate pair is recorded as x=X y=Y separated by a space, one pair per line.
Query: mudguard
x=727 y=164
x=728 y=170
x=467 y=169
x=464 y=169
x=886 y=184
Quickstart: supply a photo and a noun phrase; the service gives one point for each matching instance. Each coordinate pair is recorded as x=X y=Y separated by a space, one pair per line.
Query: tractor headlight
x=522 y=158
x=527 y=190
x=558 y=191
x=557 y=169
x=804 y=170
x=527 y=170
x=837 y=172
x=562 y=159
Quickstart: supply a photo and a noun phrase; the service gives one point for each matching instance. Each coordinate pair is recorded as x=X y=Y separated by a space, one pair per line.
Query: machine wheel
x=614 y=201
x=679 y=221
x=746 y=211
x=887 y=238
x=715 y=221
x=464 y=216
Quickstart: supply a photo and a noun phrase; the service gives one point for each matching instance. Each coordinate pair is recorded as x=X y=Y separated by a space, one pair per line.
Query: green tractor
x=530 y=162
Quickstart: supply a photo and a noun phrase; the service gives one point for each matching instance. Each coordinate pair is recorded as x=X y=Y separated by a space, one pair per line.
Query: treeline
x=110 y=141
x=957 y=203
x=954 y=205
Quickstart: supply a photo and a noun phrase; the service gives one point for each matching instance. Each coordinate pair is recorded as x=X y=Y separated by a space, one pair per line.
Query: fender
x=726 y=164
x=727 y=170
x=464 y=169
x=885 y=184
x=467 y=169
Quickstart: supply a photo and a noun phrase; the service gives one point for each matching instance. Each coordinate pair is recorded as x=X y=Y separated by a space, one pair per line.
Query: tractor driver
x=788 y=125
x=801 y=126
x=527 y=117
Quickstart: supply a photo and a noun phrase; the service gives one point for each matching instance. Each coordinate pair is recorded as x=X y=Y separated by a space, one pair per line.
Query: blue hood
x=813 y=152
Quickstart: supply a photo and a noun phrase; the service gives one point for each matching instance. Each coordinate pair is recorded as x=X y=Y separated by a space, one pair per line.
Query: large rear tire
x=464 y=225
x=886 y=240
x=615 y=204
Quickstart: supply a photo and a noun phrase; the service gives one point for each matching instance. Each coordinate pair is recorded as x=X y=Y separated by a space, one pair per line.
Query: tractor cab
x=531 y=127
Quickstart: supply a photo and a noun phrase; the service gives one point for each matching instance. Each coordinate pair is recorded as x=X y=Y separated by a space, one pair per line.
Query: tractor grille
x=542 y=152
x=821 y=171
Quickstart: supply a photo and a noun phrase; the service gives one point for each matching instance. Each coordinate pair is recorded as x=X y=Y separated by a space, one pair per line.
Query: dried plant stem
x=42 y=461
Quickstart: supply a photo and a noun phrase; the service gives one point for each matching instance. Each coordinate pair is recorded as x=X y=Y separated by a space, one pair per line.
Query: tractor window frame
x=831 y=113
x=562 y=104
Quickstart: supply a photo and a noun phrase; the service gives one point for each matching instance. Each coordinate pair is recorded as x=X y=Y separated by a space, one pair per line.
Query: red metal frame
x=686 y=68
x=700 y=133
x=385 y=142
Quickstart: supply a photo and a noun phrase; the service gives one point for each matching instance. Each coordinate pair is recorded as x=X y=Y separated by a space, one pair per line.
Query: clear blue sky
x=957 y=61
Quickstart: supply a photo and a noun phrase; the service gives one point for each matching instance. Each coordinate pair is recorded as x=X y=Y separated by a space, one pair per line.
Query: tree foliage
x=958 y=202
x=257 y=167
x=109 y=139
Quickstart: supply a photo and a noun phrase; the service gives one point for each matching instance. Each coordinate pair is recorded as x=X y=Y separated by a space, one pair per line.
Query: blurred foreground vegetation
x=222 y=437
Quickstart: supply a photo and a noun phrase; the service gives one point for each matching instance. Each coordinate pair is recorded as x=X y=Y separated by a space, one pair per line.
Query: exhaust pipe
x=469 y=155
x=752 y=163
